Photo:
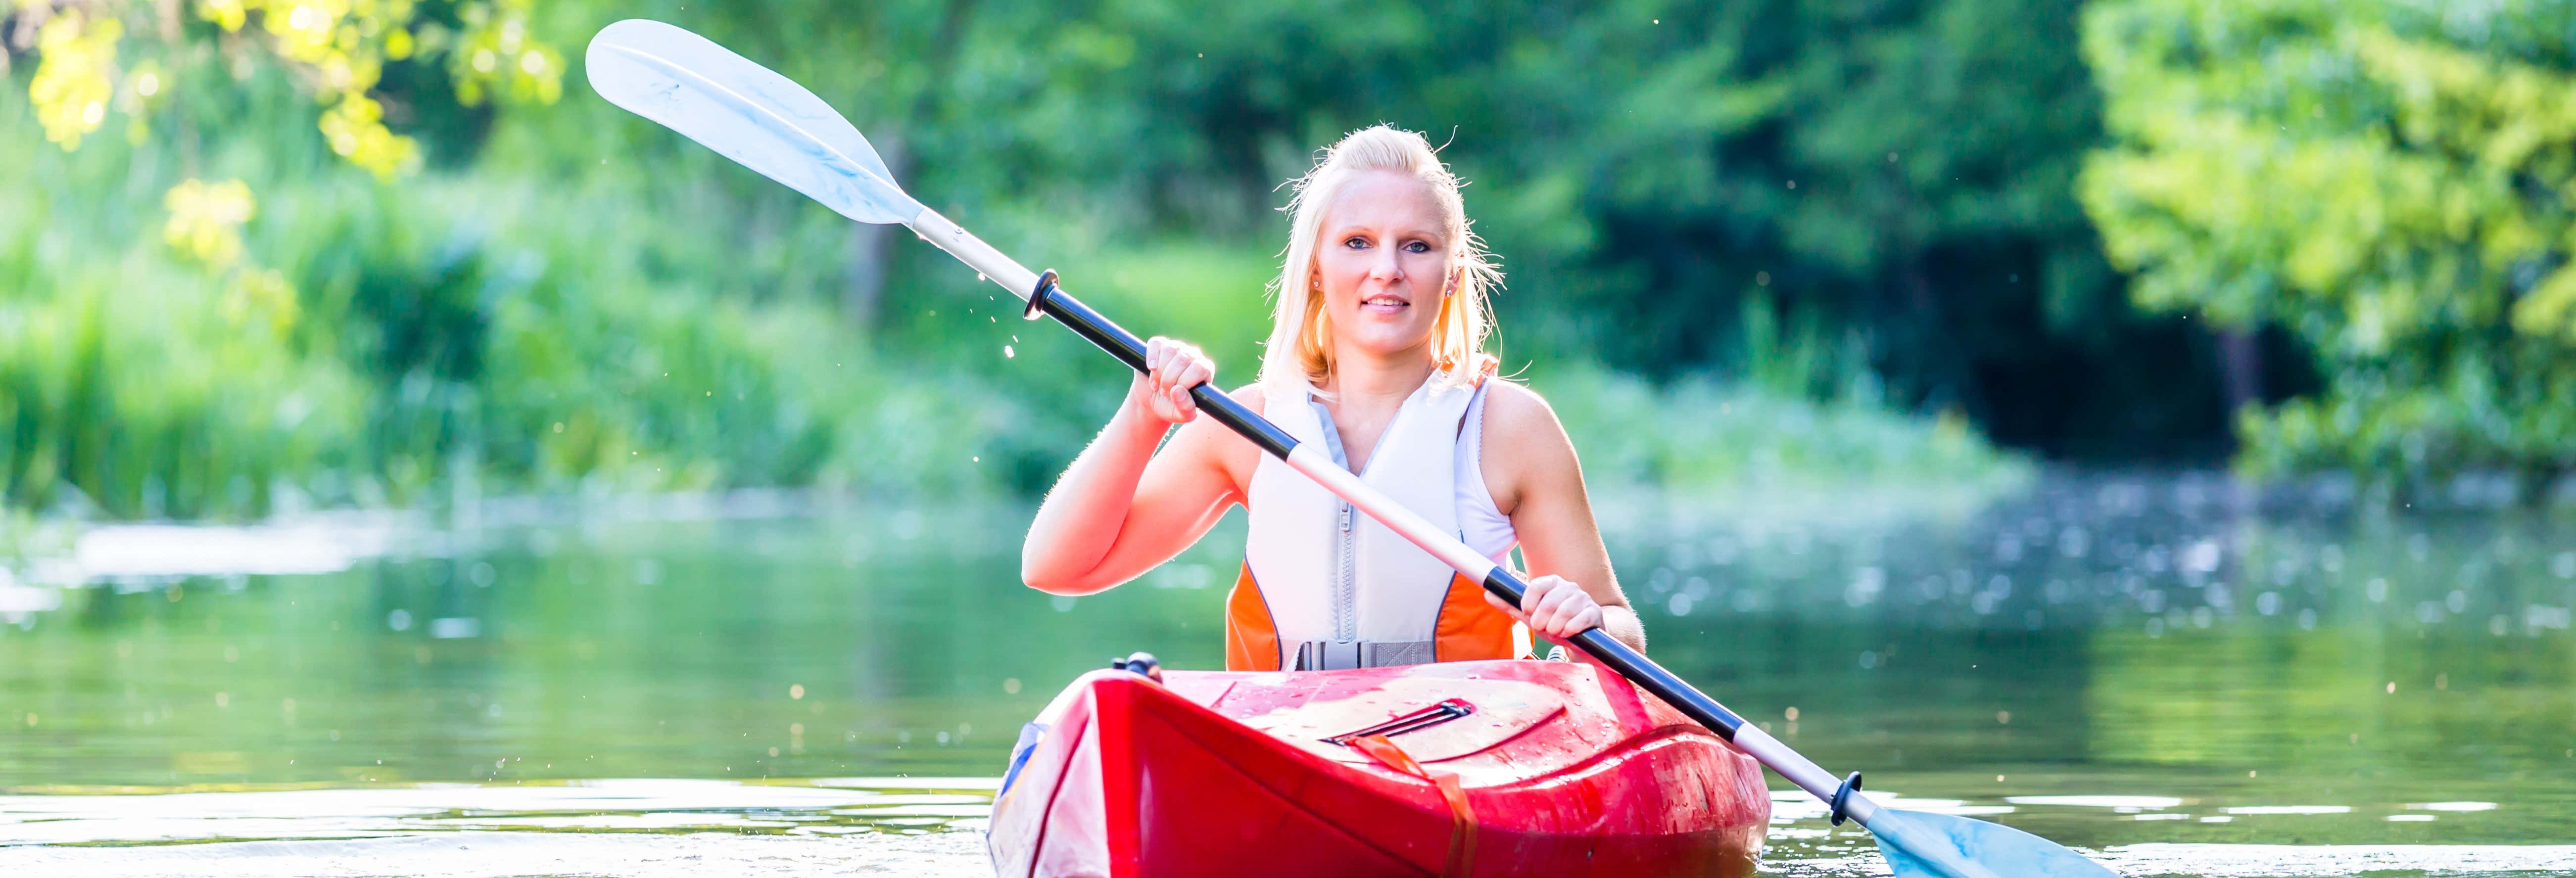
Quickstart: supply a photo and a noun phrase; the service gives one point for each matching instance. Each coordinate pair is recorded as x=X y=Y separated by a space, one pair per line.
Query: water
x=2155 y=668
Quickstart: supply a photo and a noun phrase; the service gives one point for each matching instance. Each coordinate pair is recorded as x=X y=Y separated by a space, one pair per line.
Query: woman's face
x=1383 y=262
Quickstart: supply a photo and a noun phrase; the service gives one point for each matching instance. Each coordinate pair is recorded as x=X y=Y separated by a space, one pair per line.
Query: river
x=2183 y=676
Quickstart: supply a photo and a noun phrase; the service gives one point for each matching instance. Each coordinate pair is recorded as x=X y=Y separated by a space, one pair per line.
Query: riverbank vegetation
x=273 y=254
x=2394 y=184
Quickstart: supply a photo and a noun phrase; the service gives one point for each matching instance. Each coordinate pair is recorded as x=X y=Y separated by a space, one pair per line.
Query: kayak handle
x=1143 y=664
x=1412 y=722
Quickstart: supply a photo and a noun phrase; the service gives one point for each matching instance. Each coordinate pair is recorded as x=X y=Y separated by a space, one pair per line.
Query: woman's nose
x=1386 y=267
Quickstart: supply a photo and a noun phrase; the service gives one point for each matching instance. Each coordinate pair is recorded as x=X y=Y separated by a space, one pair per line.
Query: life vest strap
x=1338 y=655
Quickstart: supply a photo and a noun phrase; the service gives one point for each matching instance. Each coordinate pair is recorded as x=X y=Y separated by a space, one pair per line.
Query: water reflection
x=2152 y=555
x=2147 y=666
x=623 y=827
x=257 y=812
x=924 y=826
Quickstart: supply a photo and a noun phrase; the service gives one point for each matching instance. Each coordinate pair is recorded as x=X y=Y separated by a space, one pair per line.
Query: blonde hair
x=1300 y=348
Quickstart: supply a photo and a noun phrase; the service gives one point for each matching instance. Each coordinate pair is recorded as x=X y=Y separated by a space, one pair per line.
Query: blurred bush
x=1807 y=416
x=1900 y=169
x=2391 y=181
x=275 y=253
x=349 y=342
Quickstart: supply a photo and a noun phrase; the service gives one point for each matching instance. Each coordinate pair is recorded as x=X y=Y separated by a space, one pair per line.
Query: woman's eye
x=1416 y=247
x=1355 y=243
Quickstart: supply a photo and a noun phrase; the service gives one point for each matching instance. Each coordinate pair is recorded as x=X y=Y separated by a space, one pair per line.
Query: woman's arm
x=1121 y=508
x=1538 y=483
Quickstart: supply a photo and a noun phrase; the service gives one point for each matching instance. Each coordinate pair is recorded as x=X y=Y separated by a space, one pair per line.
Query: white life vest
x=1324 y=586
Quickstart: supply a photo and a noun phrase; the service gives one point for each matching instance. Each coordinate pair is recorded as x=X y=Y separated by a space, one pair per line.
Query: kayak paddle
x=772 y=125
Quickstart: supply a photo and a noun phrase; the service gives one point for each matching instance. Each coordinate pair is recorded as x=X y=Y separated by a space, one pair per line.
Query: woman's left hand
x=1553 y=608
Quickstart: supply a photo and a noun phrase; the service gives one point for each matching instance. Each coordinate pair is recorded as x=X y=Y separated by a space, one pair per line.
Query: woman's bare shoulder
x=1525 y=448
x=1520 y=414
x=1250 y=395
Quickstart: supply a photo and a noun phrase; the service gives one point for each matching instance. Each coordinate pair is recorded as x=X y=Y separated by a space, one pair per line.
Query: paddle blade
x=746 y=112
x=1925 y=845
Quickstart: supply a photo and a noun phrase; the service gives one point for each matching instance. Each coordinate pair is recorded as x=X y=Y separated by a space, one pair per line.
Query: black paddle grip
x=1050 y=300
x=1633 y=665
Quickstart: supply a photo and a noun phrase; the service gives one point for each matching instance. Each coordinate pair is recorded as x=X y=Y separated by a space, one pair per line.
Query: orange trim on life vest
x=1251 y=638
x=1470 y=629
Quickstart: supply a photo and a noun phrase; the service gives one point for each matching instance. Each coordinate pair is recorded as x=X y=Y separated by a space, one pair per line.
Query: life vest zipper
x=1346 y=592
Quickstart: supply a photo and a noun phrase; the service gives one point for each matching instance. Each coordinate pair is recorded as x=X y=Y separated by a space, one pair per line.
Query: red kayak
x=1494 y=768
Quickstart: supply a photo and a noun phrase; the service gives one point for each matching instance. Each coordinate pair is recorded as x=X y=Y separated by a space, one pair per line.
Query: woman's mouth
x=1384 y=303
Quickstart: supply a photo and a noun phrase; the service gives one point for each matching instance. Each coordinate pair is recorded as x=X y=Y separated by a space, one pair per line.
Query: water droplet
x=1007 y=352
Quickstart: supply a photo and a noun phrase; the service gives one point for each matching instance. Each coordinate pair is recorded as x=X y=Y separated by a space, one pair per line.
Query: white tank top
x=1330 y=574
x=1481 y=521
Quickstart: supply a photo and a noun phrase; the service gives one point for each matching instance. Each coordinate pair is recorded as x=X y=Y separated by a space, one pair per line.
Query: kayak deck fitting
x=1492 y=768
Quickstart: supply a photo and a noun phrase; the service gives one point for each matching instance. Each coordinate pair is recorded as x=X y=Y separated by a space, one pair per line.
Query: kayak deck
x=1563 y=768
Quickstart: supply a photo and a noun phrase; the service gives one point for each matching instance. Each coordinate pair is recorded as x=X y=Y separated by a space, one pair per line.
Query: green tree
x=1896 y=175
x=103 y=58
x=261 y=244
x=2391 y=182
x=393 y=244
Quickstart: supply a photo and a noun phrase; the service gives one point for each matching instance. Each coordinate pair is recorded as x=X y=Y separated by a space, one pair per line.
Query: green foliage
x=2391 y=182
x=132 y=383
x=1900 y=169
x=1807 y=417
x=442 y=335
x=136 y=59
x=254 y=299
x=1634 y=164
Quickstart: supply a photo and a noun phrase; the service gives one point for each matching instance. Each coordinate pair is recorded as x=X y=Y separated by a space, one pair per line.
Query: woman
x=1376 y=351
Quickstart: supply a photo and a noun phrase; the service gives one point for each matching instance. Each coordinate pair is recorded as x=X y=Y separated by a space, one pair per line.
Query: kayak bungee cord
x=769 y=124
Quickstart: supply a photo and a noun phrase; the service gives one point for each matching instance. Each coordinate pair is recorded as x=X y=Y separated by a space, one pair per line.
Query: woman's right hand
x=1163 y=391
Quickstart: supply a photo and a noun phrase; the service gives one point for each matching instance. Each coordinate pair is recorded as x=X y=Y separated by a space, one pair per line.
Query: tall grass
x=1702 y=433
x=451 y=334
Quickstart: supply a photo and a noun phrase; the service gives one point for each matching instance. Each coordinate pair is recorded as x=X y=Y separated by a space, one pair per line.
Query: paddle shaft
x=1049 y=299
